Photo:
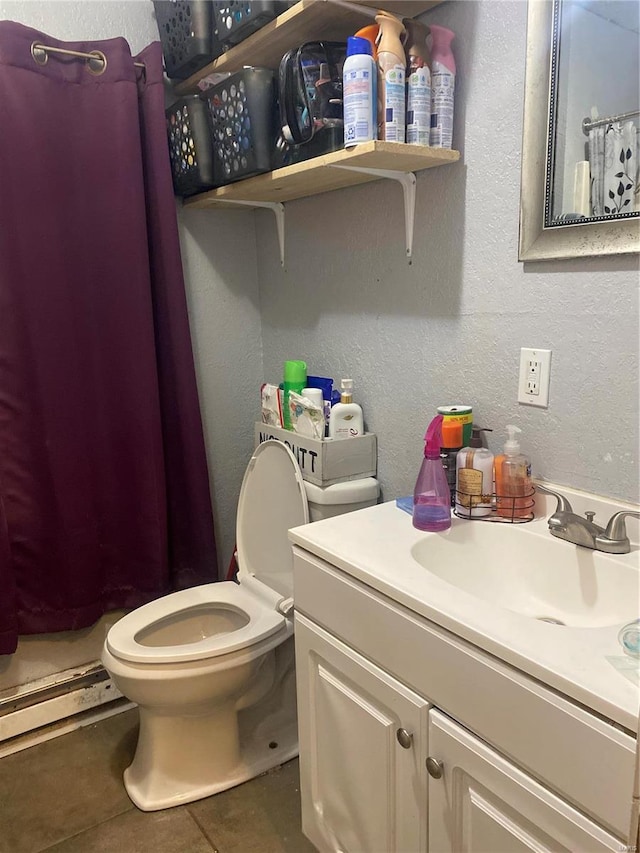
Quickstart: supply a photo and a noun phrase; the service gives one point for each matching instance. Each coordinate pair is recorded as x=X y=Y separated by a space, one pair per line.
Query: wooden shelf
x=319 y=175
x=308 y=20
x=311 y=20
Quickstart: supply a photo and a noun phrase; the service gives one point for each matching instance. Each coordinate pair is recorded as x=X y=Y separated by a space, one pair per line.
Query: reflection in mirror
x=579 y=182
x=594 y=111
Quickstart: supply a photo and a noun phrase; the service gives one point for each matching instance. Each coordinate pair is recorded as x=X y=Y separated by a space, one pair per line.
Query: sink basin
x=534 y=574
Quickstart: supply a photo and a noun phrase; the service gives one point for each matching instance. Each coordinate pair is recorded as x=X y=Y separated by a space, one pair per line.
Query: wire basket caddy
x=504 y=509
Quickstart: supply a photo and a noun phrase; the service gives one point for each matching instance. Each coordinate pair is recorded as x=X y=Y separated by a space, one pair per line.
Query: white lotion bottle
x=346 y=420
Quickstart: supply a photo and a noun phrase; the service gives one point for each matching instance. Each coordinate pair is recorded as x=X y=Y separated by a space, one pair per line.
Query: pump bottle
x=431 y=496
x=391 y=76
x=514 y=488
x=345 y=420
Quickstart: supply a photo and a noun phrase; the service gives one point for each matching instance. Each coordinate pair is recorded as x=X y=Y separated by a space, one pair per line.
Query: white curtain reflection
x=613 y=162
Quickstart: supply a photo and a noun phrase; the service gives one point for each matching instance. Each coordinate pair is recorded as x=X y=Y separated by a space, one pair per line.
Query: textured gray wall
x=448 y=329
x=220 y=266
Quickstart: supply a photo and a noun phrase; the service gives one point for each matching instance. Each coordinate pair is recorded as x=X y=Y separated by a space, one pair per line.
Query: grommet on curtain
x=97 y=63
x=96 y=60
x=39 y=54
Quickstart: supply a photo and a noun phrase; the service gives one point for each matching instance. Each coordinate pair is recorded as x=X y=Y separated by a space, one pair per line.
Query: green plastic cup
x=295 y=379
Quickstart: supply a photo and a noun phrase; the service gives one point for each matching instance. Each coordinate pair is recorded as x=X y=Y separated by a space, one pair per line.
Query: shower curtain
x=104 y=491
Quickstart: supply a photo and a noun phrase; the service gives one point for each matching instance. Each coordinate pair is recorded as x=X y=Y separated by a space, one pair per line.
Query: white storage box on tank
x=327 y=501
x=326 y=461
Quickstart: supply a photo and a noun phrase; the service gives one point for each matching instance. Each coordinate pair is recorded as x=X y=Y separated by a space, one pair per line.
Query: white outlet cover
x=542 y=359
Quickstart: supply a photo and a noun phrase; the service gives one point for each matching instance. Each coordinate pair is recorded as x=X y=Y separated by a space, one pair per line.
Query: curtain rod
x=588 y=123
x=40 y=53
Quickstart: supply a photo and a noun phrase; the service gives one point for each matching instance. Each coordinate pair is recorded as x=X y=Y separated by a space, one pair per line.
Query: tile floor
x=66 y=796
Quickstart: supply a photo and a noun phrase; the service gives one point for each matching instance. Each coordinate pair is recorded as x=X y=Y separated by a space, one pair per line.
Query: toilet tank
x=327 y=501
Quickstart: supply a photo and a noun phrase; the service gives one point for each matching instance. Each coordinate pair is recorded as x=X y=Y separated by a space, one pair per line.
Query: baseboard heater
x=33 y=707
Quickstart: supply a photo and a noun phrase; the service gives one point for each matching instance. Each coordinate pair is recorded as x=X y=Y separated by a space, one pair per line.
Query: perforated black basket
x=244 y=128
x=188 y=35
x=190 y=146
x=237 y=19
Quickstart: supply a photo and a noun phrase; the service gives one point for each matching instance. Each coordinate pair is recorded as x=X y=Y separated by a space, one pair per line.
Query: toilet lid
x=272 y=500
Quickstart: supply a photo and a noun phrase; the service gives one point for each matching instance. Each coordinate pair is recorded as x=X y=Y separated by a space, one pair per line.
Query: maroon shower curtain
x=104 y=494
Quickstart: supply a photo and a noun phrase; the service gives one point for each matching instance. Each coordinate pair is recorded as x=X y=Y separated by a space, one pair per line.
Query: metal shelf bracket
x=408 y=182
x=278 y=211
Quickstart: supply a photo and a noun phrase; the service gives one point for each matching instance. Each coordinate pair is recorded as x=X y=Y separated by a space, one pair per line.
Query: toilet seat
x=262 y=622
x=272 y=500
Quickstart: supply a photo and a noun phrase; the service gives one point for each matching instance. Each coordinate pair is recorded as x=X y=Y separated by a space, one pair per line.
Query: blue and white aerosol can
x=359 y=92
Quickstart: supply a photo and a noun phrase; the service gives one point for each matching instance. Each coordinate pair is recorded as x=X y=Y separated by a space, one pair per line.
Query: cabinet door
x=484 y=804
x=362 y=750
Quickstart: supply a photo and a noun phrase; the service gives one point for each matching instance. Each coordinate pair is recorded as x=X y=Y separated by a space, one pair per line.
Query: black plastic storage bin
x=243 y=115
x=190 y=146
x=237 y=19
x=188 y=34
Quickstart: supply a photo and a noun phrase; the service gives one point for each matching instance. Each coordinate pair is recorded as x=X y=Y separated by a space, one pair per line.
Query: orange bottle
x=370 y=33
x=513 y=485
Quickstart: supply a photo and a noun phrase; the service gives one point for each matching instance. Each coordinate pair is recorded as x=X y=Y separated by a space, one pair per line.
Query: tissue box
x=327 y=461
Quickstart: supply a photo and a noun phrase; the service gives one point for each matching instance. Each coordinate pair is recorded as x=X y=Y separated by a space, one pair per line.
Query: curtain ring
x=98 y=63
x=39 y=54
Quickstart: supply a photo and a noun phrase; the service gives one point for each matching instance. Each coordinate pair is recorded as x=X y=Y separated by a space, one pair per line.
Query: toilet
x=212 y=668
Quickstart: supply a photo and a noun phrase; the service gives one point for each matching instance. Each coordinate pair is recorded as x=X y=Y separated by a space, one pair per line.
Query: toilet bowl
x=212 y=667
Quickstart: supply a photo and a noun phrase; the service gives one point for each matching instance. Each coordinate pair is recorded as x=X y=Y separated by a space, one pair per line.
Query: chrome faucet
x=565 y=524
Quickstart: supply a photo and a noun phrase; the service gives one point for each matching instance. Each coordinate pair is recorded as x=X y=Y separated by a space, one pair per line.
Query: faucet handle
x=563 y=503
x=616 y=528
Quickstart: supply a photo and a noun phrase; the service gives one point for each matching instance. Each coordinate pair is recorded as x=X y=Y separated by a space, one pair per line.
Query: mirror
x=579 y=191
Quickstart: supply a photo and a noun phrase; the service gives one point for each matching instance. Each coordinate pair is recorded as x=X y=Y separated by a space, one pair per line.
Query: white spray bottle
x=418 y=83
x=391 y=77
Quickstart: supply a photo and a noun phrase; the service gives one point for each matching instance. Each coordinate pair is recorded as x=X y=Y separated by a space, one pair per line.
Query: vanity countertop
x=585 y=664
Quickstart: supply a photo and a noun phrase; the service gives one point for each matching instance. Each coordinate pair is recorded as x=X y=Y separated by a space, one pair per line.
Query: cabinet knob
x=405 y=738
x=435 y=768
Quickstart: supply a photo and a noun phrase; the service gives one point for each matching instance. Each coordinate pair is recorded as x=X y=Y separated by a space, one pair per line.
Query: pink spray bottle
x=431 y=496
x=443 y=82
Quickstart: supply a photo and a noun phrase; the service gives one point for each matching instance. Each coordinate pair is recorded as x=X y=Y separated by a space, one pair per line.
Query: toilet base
x=181 y=759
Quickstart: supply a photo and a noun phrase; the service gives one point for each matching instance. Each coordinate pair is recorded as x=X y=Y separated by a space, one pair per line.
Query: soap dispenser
x=431 y=496
x=514 y=488
x=474 y=478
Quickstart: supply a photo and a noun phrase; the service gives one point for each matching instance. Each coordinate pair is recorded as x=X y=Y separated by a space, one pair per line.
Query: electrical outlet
x=535 y=372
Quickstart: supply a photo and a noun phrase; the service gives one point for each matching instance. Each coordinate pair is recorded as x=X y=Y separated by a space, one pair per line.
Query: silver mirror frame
x=537 y=242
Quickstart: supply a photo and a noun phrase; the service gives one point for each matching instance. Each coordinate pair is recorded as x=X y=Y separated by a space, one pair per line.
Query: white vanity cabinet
x=482 y=803
x=363 y=761
x=415 y=741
